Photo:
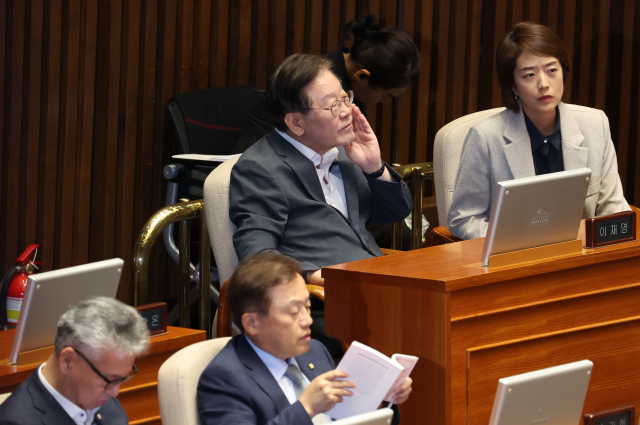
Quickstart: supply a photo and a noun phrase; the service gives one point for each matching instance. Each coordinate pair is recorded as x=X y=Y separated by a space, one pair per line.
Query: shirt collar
x=276 y=366
x=76 y=413
x=537 y=138
x=323 y=160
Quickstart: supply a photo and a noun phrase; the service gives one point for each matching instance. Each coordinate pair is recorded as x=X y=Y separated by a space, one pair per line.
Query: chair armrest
x=316 y=291
x=387 y=251
x=440 y=236
x=224 y=313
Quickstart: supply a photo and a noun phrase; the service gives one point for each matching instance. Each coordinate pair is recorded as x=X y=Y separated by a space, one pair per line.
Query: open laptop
x=377 y=417
x=536 y=211
x=554 y=396
x=48 y=295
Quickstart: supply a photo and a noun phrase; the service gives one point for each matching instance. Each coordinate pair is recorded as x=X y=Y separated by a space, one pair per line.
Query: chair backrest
x=447 y=149
x=210 y=121
x=3 y=397
x=216 y=201
x=178 y=381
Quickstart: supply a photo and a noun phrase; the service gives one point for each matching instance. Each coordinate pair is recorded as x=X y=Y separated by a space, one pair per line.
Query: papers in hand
x=199 y=157
x=375 y=376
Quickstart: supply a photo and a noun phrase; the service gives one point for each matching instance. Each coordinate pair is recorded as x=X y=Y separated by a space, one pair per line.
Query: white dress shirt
x=330 y=178
x=79 y=415
x=278 y=367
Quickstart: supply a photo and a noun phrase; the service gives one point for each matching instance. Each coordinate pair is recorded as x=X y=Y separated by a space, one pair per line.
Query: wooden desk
x=139 y=396
x=472 y=325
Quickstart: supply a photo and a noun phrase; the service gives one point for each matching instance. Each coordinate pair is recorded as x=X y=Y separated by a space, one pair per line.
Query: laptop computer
x=48 y=295
x=377 y=417
x=554 y=396
x=536 y=211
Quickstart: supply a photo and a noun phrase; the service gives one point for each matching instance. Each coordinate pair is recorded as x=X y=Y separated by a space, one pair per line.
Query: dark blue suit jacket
x=237 y=387
x=32 y=404
x=277 y=203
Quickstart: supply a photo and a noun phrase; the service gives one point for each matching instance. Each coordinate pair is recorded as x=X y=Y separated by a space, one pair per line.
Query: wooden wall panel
x=85 y=85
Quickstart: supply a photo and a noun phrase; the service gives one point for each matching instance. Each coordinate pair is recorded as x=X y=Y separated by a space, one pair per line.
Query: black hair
x=389 y=54
x=535 y=38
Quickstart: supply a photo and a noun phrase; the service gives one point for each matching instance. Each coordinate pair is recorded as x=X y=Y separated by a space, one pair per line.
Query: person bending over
x=536 y=134
x=273 y=373
x=96 y=344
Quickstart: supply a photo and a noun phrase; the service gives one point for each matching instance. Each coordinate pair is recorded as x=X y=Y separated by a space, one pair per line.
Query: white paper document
x=375 y=376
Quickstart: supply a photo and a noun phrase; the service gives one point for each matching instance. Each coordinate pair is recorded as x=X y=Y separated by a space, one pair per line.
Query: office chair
x=216 y=201
x=178 y=381
x=447 y=150
x=206 y=122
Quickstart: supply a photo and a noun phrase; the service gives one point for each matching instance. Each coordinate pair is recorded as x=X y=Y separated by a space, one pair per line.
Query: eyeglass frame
x=114 y=382
x=348 y=96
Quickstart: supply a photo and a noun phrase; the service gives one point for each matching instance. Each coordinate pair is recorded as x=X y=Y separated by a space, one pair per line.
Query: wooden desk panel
x=139 y=396
x=437 y=304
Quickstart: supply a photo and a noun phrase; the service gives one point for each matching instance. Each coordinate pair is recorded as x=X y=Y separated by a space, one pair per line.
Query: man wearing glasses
x=96 y=344
x=308 y=188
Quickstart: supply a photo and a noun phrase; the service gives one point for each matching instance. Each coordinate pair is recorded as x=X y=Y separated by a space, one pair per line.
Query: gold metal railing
x=413 y=174
x=181 y=213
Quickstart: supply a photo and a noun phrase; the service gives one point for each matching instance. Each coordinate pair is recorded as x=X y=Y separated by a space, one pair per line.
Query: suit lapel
x=43 y=401
x=518 y=148
x=573 y=156
x=260 y=373
x=350 y=181
x=300 y=164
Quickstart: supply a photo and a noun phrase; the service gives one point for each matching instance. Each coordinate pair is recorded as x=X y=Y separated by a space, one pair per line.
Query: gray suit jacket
x=499 y=149
x=32 y=404
x=277 y=203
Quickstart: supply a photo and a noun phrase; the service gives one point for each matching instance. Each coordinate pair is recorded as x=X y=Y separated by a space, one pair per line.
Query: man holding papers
x=273 y=372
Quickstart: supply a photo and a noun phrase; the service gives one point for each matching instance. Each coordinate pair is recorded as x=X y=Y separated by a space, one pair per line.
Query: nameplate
x=156 y=317
x=624 y=415
x=610 y=229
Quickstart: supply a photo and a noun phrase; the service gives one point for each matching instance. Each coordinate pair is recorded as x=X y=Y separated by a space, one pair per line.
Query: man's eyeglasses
x=336 y=107
x=110 y=382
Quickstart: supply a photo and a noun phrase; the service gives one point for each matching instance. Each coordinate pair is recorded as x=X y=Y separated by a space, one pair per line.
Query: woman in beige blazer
x=536 y=134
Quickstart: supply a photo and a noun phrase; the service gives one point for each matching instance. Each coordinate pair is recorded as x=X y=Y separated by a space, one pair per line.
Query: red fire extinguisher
x=15 y=283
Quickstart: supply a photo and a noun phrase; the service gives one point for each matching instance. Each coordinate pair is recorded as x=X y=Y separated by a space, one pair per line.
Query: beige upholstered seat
x=216 y=201
x=447 y=150
x=178 y=381
x=3 y=397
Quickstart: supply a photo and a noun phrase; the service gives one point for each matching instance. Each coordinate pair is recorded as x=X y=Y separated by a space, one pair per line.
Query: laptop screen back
x=553 y=396
x=536 y=211
x=48 y=295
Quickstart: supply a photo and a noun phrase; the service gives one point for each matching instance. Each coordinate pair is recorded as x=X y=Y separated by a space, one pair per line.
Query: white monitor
x=536 y=211
x=377 y=417
x=553 y=396
x=48 y=295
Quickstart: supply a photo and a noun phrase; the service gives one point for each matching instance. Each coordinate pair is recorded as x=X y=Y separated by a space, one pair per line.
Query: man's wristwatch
x=376 y=173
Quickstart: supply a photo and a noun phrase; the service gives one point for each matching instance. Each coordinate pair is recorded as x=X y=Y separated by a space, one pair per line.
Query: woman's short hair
x=286 y=88
x=250 y=284
x=389 y=54
x=102 y=323
x=536 y=39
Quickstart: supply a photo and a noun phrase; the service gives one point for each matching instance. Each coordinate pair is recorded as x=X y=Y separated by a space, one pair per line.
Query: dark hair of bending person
x=381 y=63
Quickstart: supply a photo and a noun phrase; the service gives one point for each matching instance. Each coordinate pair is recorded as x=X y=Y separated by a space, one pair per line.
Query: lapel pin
x=98 y=416
x=311 y=366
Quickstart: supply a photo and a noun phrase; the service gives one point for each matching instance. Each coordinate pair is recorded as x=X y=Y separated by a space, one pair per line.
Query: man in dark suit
x=272 y=373
x=308 y=188
x=96 y=344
